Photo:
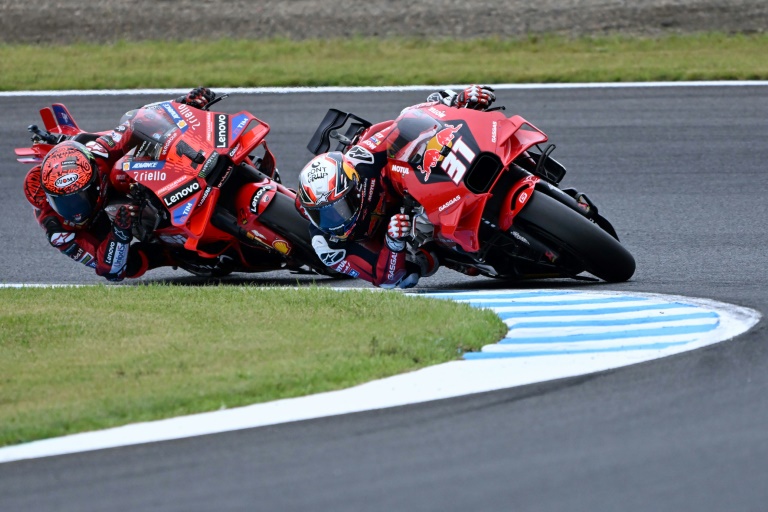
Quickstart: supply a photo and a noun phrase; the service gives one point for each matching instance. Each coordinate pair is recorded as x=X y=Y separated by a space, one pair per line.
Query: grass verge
x=367 y=61
x=79 y=359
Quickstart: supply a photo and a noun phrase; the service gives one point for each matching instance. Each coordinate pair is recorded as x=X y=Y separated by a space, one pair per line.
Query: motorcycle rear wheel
x=576 y=238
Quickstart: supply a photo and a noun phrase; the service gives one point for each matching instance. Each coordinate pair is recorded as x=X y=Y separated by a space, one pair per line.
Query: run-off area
x=552 y=334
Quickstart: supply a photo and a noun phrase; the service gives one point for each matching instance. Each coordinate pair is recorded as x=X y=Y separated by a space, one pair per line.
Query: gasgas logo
x=392 y=266
x=449 y=203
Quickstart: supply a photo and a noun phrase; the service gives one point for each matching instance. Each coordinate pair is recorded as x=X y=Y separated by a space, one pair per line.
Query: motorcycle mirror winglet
x=45 y=136
x=341 y=138
x=334 y=120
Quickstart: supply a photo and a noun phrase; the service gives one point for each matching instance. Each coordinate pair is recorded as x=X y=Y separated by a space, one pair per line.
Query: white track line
x=393 y=88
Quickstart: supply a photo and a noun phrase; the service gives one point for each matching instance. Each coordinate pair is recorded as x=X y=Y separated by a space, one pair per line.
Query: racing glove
x=446 y=97
x=112 y=255
x=476 y=97
x=198 y=97
x=399 y=227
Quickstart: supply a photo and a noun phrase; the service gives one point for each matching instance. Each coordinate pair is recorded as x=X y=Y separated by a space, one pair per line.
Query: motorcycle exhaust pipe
x=225 y=221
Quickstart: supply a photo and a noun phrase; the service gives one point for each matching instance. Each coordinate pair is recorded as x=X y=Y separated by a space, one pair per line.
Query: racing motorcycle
x=483 y=192
x=206 y=185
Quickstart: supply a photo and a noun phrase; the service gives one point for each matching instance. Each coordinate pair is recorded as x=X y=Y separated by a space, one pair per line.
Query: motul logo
x=222 y=131
x=180 y=193
x=400 y=169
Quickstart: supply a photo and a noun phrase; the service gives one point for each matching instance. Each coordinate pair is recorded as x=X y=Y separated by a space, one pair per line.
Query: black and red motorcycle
x=483 y=193
x=207 y=187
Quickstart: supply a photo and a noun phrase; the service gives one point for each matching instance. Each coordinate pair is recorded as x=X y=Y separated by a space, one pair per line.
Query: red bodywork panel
x=450 y=142
x=189 y=143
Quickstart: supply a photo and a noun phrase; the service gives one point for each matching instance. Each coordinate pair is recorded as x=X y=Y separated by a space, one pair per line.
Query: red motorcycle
x=207 y=186
x=483 y=193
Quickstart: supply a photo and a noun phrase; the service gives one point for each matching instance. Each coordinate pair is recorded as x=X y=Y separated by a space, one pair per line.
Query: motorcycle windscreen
x=409 y=141
x=153 y=127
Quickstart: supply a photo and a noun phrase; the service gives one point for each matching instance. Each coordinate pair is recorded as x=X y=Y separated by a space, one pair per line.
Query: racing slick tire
x=568 y=232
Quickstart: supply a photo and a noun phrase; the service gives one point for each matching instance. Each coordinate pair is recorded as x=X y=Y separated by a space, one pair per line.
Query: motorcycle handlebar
x=409 y=203
x=46 y=136
x=215 y=100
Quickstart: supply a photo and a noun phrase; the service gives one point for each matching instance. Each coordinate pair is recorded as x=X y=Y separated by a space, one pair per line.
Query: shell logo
x=281 y=246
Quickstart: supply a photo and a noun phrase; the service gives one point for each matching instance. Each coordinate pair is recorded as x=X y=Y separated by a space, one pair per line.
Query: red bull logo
x=431 y=157
x=445 y=136
x=433 y=154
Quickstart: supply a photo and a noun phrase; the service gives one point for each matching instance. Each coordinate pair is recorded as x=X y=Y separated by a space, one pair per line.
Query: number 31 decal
x=455 y=163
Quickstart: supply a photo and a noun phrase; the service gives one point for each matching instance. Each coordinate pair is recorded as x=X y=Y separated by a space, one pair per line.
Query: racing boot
x=426 y=260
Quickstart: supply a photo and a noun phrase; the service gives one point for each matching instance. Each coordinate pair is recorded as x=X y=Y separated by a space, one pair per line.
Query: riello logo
x=180 y=193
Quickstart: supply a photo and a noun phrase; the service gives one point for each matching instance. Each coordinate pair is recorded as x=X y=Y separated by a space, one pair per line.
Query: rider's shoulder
x=33 y=189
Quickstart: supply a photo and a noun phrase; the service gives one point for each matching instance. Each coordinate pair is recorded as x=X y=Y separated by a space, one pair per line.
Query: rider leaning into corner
x=70 y=188
x=348 y=197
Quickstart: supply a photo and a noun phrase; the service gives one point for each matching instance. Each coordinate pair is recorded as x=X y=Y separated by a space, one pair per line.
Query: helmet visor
x=337 y=217
x=77 y=206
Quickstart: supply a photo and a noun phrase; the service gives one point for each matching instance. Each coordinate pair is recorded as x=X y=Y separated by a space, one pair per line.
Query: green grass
x=366 y=61
x=79 y=359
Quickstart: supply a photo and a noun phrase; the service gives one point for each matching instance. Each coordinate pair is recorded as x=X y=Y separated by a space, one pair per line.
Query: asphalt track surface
x=680 y=173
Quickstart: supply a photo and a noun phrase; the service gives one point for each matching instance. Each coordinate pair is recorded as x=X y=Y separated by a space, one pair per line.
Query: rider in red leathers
x=356 y=224
x=71 y=187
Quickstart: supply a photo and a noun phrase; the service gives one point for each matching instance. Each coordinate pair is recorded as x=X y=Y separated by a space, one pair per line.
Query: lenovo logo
x=222 y=131
x=180 y=193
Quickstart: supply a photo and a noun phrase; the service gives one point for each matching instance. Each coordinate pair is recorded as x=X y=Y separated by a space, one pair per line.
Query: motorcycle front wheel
x=576 y=238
